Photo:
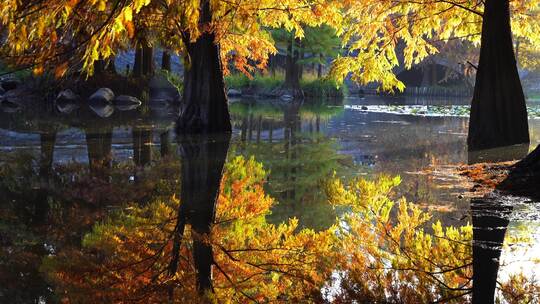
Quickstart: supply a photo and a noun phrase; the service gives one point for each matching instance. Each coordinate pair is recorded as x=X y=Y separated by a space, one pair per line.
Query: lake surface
x=65 y=173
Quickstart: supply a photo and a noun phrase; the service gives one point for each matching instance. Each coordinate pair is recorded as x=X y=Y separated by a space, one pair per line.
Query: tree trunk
x=498 y=110
x=148 y=61
x=165 y=144
x=204 y=108
x=272 y=65
x=99 y=67
x=137 y=65
x=320 y=66
x=293 y=69
x=300 y=57
x=111 y=65
x=166 y=61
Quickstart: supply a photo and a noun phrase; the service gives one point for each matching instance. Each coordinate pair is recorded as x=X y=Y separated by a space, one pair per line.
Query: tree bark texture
x=293 y=70
x=137 y=65
x=498 y=110
x=148 y=61
x=166 y=61
x=204 y=108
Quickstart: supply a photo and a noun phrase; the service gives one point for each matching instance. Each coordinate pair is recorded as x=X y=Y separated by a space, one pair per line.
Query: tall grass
x=257 y=82
x=323 y=88
x=312 y=86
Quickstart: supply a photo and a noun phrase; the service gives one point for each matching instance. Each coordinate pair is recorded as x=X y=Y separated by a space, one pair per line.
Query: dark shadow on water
x=499 y=154
x=490 y=220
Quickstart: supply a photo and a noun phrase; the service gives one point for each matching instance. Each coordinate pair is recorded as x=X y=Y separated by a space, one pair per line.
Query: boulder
x=66 y=107
x=286 y=97
x=126 y=103
x=103 y=95
x=234 y=93
x=66 y=101
x=9 y=83
x=66 y=96
x=102 y=110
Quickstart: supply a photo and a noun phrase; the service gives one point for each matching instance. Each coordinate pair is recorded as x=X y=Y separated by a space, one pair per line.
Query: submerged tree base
x=511 y=177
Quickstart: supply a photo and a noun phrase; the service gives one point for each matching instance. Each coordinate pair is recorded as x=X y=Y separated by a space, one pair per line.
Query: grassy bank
x=320 y=88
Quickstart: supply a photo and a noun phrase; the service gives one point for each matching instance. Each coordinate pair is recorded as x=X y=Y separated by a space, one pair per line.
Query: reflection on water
x=120 y=209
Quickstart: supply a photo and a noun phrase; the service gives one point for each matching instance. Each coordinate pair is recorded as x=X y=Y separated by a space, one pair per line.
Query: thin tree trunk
x=498 y=110
x=137 y=65
x=148 y=61
x=293 y=69
x=111 y=65
x=204 y=108
x=165 y=144
x=320 y=66
x=300 y=57
x=166 y=61
x=99 y=67
x=272 y=65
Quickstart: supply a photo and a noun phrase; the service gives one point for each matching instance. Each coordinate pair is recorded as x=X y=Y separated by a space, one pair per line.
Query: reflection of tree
x=142 y=145
x=299 y=158
x=99 y=144
x=389 y=257
x=24 y=211
x=381 y=249
x=47 y=208
x=203 y=158
x=47 y=141
x=490 y=219
x=129 y=256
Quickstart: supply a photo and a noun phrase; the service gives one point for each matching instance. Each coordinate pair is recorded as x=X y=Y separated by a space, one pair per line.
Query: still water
x=95 y=208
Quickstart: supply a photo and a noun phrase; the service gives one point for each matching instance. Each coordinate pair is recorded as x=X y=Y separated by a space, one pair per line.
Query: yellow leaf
x=60 y=70
x=38 y=70
x=128 y=14
x=102 y=5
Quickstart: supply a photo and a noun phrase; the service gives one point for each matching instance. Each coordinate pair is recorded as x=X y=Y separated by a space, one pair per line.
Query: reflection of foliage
x=520 y=289
x=122 y=182
x=296 y=177
x=381 y=250
x=270 y=111
x=264 y=109
x=319 y=110
x=126 y=257
x=394 y=258
x=39 y=218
